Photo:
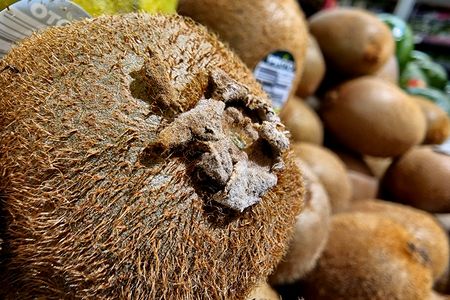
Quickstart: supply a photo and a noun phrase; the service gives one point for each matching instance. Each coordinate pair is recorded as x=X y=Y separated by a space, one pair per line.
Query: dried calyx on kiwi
x=129 y=158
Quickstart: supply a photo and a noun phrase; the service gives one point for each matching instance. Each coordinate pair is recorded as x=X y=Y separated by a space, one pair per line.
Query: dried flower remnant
x=214 y=126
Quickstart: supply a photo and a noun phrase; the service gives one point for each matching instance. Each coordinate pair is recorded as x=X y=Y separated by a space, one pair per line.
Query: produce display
x=220 y=149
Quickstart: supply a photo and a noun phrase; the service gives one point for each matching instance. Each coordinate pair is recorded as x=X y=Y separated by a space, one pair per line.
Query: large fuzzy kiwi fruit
x=139 y=159
x=310 y=234
x=420 y=178
x=373 y=117
x=354 y=42
x=302 y=121
x=331 y=172
x=254 y=29
x=438 y=122
x=369 y=256
x=423 y=226
x=313 y=70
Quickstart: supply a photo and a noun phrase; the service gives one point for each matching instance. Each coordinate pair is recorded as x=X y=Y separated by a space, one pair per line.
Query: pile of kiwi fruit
x=140 y=158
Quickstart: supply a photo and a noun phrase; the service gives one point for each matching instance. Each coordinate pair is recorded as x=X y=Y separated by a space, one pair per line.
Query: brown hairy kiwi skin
x=364 y=183
x=331 y=172
x=313 y=71
x=91 y=210
x=438 y=122
x=302 y=121
x=363 y=186
x=369 y=257
x=420 y=178
x=423 y=226
x=310 y=233
x=389 y=71
x=373 y=117
x=263 y=292
x=354 y=42
x=254 y=29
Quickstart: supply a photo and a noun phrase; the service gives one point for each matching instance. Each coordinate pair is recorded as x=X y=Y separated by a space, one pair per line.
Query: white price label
x=24 y=17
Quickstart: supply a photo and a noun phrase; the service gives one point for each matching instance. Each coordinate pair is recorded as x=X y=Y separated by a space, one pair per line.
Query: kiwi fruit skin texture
x=263 y=292
x=331 y=172
x=438 y=122
x=254 y=29
x=373 y=117
x=363 y=186
x=389 y=71
x=423 y=226
x=313 y=70
x=420 y=179
x=354 y=42
x=90 y=214
x=369 y=257
x=310 y=233
x=302 y=121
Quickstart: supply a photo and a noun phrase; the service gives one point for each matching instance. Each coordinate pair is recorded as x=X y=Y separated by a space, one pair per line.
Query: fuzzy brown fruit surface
x=129 y=146
x=373 y=117
x=354 y=42
x=369 y=257
x=254 y=29
x=420 y=178
x=310 y=233
x=302 y=122
x=438 y=122
x=313 y=71
x=331 y=172
x=423 y=226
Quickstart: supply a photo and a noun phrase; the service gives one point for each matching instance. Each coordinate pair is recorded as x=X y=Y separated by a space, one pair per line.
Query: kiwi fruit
x=364 y=183
x=422 y=225
x=354 y=42
x=369 y=256
x=331 y=172
x=302 y=121
x=373 y=117
x=263 y=292
x=313 y=70
x=420 y=178
x=254 y=29
x=438 y=122
x=363 y=186
x=139 y=159
x=353 y=161
x=310 y=233
x=389 y=71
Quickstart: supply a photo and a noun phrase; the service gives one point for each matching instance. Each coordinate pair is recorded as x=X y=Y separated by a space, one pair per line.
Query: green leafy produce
x=403 y=37
x=417 y=55
x=435 y=74
x=413 y=76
